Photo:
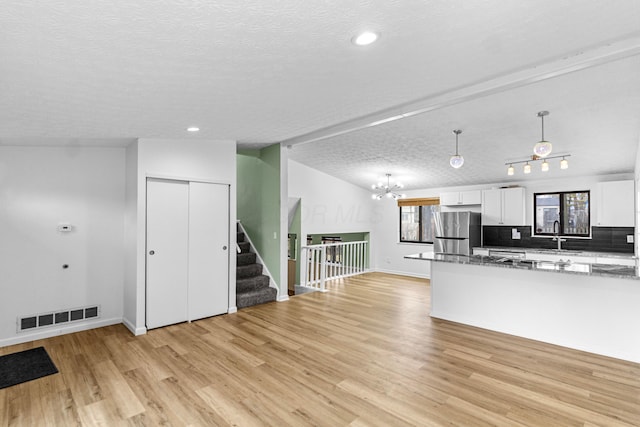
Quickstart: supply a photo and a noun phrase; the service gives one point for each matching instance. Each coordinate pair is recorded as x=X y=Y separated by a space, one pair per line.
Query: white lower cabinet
x=481 y=251
x=630 y=262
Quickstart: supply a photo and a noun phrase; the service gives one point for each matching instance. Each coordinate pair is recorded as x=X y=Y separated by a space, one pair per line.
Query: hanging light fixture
x=456 y=161
x=544 y=166
x=564 y=163
x=387 y=190
x=542 y=148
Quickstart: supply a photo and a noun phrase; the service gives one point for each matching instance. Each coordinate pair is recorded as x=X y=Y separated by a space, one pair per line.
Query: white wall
x=41 y=187
x=205 y=160
x=130 y=292
x=330 y=205
x=637 y=201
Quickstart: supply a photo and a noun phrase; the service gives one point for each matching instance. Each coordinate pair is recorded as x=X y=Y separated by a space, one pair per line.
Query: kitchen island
x=589 y=307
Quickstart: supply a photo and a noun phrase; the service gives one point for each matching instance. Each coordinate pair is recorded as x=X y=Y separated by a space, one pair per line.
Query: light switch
x=629 y=238
x=515 y=234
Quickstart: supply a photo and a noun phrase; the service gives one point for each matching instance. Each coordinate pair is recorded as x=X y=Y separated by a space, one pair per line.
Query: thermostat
x=65 y=228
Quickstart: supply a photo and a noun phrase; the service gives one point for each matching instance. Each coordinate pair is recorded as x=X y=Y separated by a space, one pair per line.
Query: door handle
x=152 y=252
x=224 y=248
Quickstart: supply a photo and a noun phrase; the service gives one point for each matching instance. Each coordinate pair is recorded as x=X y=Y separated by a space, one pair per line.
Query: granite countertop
x=561 y=252
x=606 y=270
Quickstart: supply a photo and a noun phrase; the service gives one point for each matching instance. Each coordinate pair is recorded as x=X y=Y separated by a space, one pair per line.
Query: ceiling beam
x=579 y=60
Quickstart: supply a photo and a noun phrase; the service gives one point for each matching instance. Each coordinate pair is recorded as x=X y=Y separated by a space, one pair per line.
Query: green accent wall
x=258 y=202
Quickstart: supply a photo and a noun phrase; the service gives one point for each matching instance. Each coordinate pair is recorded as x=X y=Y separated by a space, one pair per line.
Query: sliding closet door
x=167 y=251
x=208 y=249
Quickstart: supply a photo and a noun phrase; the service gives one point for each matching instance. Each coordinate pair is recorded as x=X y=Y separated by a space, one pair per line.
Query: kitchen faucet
x=556 y=236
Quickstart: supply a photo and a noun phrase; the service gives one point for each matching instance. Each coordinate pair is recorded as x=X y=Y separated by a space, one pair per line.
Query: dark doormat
x=25 y=366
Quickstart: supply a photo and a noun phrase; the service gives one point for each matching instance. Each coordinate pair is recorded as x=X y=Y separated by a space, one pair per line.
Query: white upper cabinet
x=503 y=206
x=614 y=204
x=459 y=198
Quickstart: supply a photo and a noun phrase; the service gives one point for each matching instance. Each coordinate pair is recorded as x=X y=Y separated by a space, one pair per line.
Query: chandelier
x=387 y=190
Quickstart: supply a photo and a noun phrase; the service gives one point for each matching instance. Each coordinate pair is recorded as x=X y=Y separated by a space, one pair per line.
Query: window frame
x=419 y=202
x=561 y=211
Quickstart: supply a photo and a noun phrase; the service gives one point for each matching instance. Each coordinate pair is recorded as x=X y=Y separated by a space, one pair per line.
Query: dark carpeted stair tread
x=245 y=258
x=244 y=271
x=252 y=287
x=244 y=247
x=254 y=297
x=252 y=283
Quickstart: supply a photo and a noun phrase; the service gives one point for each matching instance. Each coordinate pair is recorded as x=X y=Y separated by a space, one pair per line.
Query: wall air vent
x=44 y=320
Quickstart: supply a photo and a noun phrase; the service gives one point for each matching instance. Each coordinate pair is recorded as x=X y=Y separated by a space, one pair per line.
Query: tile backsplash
x=603 y=239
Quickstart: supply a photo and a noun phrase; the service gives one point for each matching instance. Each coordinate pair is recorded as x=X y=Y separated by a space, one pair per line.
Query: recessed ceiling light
x=193 y=129
x=365 y=38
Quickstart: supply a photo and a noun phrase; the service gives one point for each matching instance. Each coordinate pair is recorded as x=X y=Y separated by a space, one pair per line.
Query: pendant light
x=564 y=163
x=542 y=148
x=510 y=170
x=456 y=161
x=527 y=168
x=544 y=167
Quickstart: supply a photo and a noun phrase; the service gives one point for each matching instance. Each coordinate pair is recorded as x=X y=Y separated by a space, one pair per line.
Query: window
x=416 y=219
x=571 y=210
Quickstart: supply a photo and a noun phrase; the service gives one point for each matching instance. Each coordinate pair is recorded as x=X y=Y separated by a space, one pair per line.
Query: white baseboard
x=404 y=273
x=131 y=327
x=52 y=332
x=282 y=298
x=232 y=310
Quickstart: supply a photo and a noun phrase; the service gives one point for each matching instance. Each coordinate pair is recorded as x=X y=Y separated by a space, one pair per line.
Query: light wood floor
x=364 y=354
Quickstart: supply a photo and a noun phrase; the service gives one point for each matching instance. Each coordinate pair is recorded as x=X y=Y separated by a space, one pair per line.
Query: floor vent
x=44 y=320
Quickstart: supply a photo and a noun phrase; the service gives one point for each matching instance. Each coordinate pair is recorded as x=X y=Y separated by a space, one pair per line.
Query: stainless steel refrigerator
x=457 y=232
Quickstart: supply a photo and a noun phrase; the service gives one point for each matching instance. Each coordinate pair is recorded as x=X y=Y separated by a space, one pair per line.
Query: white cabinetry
x=503 y=206
x=614 y=204
x=458 y=198
x=631 y=262
x=481 y=251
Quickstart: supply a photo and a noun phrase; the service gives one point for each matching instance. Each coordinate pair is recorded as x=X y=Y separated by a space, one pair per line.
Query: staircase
x=252 y=287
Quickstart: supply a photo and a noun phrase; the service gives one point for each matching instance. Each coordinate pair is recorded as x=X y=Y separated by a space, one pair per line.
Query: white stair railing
x=332 y=261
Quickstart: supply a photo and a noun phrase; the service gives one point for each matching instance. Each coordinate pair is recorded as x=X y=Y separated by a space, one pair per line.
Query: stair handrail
x=316 y=269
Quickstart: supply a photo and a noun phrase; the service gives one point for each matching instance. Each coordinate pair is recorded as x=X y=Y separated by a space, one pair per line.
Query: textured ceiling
x=90 y=72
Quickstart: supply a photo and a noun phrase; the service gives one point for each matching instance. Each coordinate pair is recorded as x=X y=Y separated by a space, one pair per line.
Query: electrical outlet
x=629 y=238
